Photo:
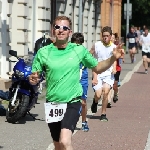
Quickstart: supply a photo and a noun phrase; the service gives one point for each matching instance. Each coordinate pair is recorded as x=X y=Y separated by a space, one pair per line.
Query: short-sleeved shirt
x=132 y=39
x=84 y=77
x=103 y=52
x=145 y=40
x=63 y=70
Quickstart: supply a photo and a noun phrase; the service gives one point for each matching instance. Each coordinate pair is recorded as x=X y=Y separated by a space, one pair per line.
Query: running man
x=62 y=60
x=145 y=43
x=102 y=83
x=118 y=71
x=132 y=38
x=78 y=38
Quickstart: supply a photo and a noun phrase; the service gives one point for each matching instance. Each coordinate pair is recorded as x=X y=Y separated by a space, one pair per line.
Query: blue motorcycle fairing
x=23 y=91
x=22 y=67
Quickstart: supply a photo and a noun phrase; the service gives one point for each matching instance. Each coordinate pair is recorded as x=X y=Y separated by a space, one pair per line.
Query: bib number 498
x=54 y=112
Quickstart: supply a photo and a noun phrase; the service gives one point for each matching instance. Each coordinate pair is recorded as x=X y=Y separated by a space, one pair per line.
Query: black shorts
x=69 y=121
x=117 y=75
x=132 y=45
x=146 y=54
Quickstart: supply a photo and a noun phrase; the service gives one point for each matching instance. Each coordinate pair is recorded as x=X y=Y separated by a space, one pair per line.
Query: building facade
x=111 y=15
x=24 y=21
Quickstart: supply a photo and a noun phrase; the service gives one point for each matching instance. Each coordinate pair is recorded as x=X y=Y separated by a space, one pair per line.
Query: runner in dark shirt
x=132 y=38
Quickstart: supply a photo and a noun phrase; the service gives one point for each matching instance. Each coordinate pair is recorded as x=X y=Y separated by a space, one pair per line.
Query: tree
x=140 y=14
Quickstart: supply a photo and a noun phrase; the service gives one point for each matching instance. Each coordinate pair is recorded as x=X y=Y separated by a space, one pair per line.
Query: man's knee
x=65 y=138
x=98 y=94
x=144 y=59
x=65 y=142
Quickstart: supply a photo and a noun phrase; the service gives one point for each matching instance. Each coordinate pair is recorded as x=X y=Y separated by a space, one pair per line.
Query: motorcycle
x=22 y=95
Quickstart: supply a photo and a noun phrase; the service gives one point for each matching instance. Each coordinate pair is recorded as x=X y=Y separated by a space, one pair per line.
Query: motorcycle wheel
x=14 y=113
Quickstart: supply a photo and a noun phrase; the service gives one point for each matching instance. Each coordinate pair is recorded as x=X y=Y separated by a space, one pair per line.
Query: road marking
x=125 y=80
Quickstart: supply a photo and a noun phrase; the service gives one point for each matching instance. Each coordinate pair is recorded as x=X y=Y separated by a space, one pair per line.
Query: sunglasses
x=65 y=28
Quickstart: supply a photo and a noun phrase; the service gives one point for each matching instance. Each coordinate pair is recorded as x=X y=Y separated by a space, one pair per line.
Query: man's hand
x=123 y=60
x=94 y=81
x=34 y=78
x=114 y=71
x=118 y=51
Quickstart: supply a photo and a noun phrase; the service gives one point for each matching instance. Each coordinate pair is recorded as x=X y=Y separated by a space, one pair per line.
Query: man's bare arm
x=92 y=51
x=94 y=75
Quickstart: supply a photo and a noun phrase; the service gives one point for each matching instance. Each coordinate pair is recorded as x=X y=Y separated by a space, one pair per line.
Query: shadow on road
x=1 y=147
x=140 y=72
x=77 y=128
x=29 y=118
x=95 y=117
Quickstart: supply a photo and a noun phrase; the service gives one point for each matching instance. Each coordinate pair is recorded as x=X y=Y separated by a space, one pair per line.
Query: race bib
x=54 y=112
x=131 y=40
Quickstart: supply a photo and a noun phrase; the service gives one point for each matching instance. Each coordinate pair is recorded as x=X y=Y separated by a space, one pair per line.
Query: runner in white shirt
x=102 y=83
x=145 y=43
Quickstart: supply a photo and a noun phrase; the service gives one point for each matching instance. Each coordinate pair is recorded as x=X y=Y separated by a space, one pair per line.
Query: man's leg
x=133 y=54
x=84 y=113
x=145 y=61
x=4 y=95
x=137 y=47
x=65 y=139
x=98 y=92
x=115 y=86
x=68 y=124
x=107 y=84
x=148 y=59
x=2 y=111
x=84 y=109
x=55 y=129
x=106 y=90
x=109 y=98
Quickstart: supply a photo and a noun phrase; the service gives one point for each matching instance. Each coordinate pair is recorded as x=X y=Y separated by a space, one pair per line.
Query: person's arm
x=122 y=56
x=92 y=51
x=114 y=67
x=94 y=74
x=136 y=37
x=140 y=41
x=37 y=68
x=99 y=67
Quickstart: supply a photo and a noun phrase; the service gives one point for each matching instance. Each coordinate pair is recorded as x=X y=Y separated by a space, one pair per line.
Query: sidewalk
x=128 y=120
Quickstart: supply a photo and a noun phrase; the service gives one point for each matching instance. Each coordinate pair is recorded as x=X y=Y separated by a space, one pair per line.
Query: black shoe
x=109 y=105
x=115 y=98
x=2 y=111
x=94 y=107
x=103 y=117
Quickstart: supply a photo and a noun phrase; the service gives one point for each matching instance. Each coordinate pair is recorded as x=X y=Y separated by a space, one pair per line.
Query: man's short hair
x=63 y=18
x=146 y=29
x=78 y=38
x=107 y=29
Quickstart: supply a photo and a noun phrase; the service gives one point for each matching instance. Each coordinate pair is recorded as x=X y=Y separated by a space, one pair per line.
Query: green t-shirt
x=63 y=70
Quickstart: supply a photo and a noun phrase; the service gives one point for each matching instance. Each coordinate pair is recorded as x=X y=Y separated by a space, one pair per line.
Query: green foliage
x=140 y=14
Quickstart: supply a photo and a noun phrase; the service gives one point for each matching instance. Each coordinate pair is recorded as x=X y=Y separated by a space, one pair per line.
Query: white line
x=126 y=79
x=147 y=147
